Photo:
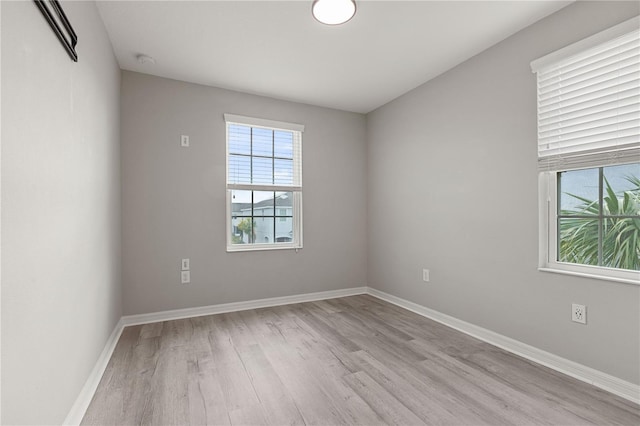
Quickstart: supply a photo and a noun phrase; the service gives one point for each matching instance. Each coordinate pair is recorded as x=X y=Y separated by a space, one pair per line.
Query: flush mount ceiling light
x=333 y=12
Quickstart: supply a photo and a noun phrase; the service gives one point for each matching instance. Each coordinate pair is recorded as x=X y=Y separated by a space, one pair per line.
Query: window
x=589 y=156
x=264 y=184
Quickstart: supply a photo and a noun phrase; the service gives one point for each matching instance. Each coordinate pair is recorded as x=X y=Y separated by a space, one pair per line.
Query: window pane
x=621 y=243
x=240 y=203
x=284 y=230
x=283 y=144
x=263 y=203
x=578 y=241
x=264 y=230
x=239 y=169
x=578 y=191
x=284 y=199
x=263 y=142
x=239 y=139
x=262 y=171
x=283 y=173
x=242 y=230
x=621 y=192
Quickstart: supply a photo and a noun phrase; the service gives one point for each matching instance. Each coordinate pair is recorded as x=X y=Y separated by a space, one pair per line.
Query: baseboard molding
x=581 y=372
x=89 y=389
x=79 y=408
x=586 y=374
x=239 y=306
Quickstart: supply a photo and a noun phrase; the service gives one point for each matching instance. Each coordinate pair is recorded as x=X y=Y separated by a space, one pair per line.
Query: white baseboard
x=89 y=389
x=239 y=306
x=586 y=374
x=581 y=372
x=77 y=412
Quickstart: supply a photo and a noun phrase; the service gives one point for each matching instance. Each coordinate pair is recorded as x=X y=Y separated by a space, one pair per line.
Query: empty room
x=329 y=212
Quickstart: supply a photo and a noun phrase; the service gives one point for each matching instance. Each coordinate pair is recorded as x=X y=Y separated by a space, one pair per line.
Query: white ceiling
x=277 y=49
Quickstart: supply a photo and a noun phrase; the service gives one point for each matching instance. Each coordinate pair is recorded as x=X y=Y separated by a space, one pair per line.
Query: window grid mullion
x=558 y=215
x=251 y=164
x=600 y=215
x=252 y=220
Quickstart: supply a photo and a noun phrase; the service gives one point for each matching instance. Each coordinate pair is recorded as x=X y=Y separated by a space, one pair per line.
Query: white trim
x=239 y=306
x=586 y=374
x=296 y=189
x=252 y=187
x=581 y=372
x=555 y=269
x=548 y=243
x=79 y=408
x=296 y=244
x=263 y=122
x=241 y=248
x=587 y=43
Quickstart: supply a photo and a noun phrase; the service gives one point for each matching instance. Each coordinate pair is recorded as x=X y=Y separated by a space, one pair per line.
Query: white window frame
x=296 y=243
x=548 y=245
x=548 y=179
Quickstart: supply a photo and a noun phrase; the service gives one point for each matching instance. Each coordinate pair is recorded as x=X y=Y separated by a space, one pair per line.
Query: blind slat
x=603 y=142
x=595 y=81
x=609 y=109
x=590 y=159
x=265 y=157
x=589 y=106
x=591 y=127
x=568 y=80
x=631 y=95
x=551 y=101
x=597 y=62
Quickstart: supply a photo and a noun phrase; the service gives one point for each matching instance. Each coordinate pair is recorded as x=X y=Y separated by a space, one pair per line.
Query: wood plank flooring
x=349 y=361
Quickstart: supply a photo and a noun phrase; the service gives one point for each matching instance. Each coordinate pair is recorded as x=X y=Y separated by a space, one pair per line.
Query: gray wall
x=459 y=154
x=61 y=289
x=173 y=199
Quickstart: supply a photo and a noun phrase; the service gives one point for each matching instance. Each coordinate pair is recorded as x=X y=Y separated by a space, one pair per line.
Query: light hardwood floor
x=354 y=360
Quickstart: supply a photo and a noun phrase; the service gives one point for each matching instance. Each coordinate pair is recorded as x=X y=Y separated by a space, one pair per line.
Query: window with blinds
x=588 y=109
x=589 y=156
x=264 y=184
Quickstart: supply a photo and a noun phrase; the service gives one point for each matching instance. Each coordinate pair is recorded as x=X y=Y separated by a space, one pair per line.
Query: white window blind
x=263 y=154
x=589 y=105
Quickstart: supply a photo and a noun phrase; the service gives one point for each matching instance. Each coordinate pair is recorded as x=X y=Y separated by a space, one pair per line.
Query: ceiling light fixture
x=333 y=12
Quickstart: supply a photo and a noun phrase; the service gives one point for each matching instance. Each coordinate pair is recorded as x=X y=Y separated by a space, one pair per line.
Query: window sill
x=595 y=275
x=261 y=247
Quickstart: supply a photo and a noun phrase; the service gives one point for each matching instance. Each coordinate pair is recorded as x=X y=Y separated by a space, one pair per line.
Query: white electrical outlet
x=184 y=141
x=578 y=313
x=185 y=277
x=425 y=275
x=185 y=264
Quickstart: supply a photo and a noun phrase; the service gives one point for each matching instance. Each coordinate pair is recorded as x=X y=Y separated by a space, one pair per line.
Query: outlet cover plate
x=185 y=277
x=578 y=313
